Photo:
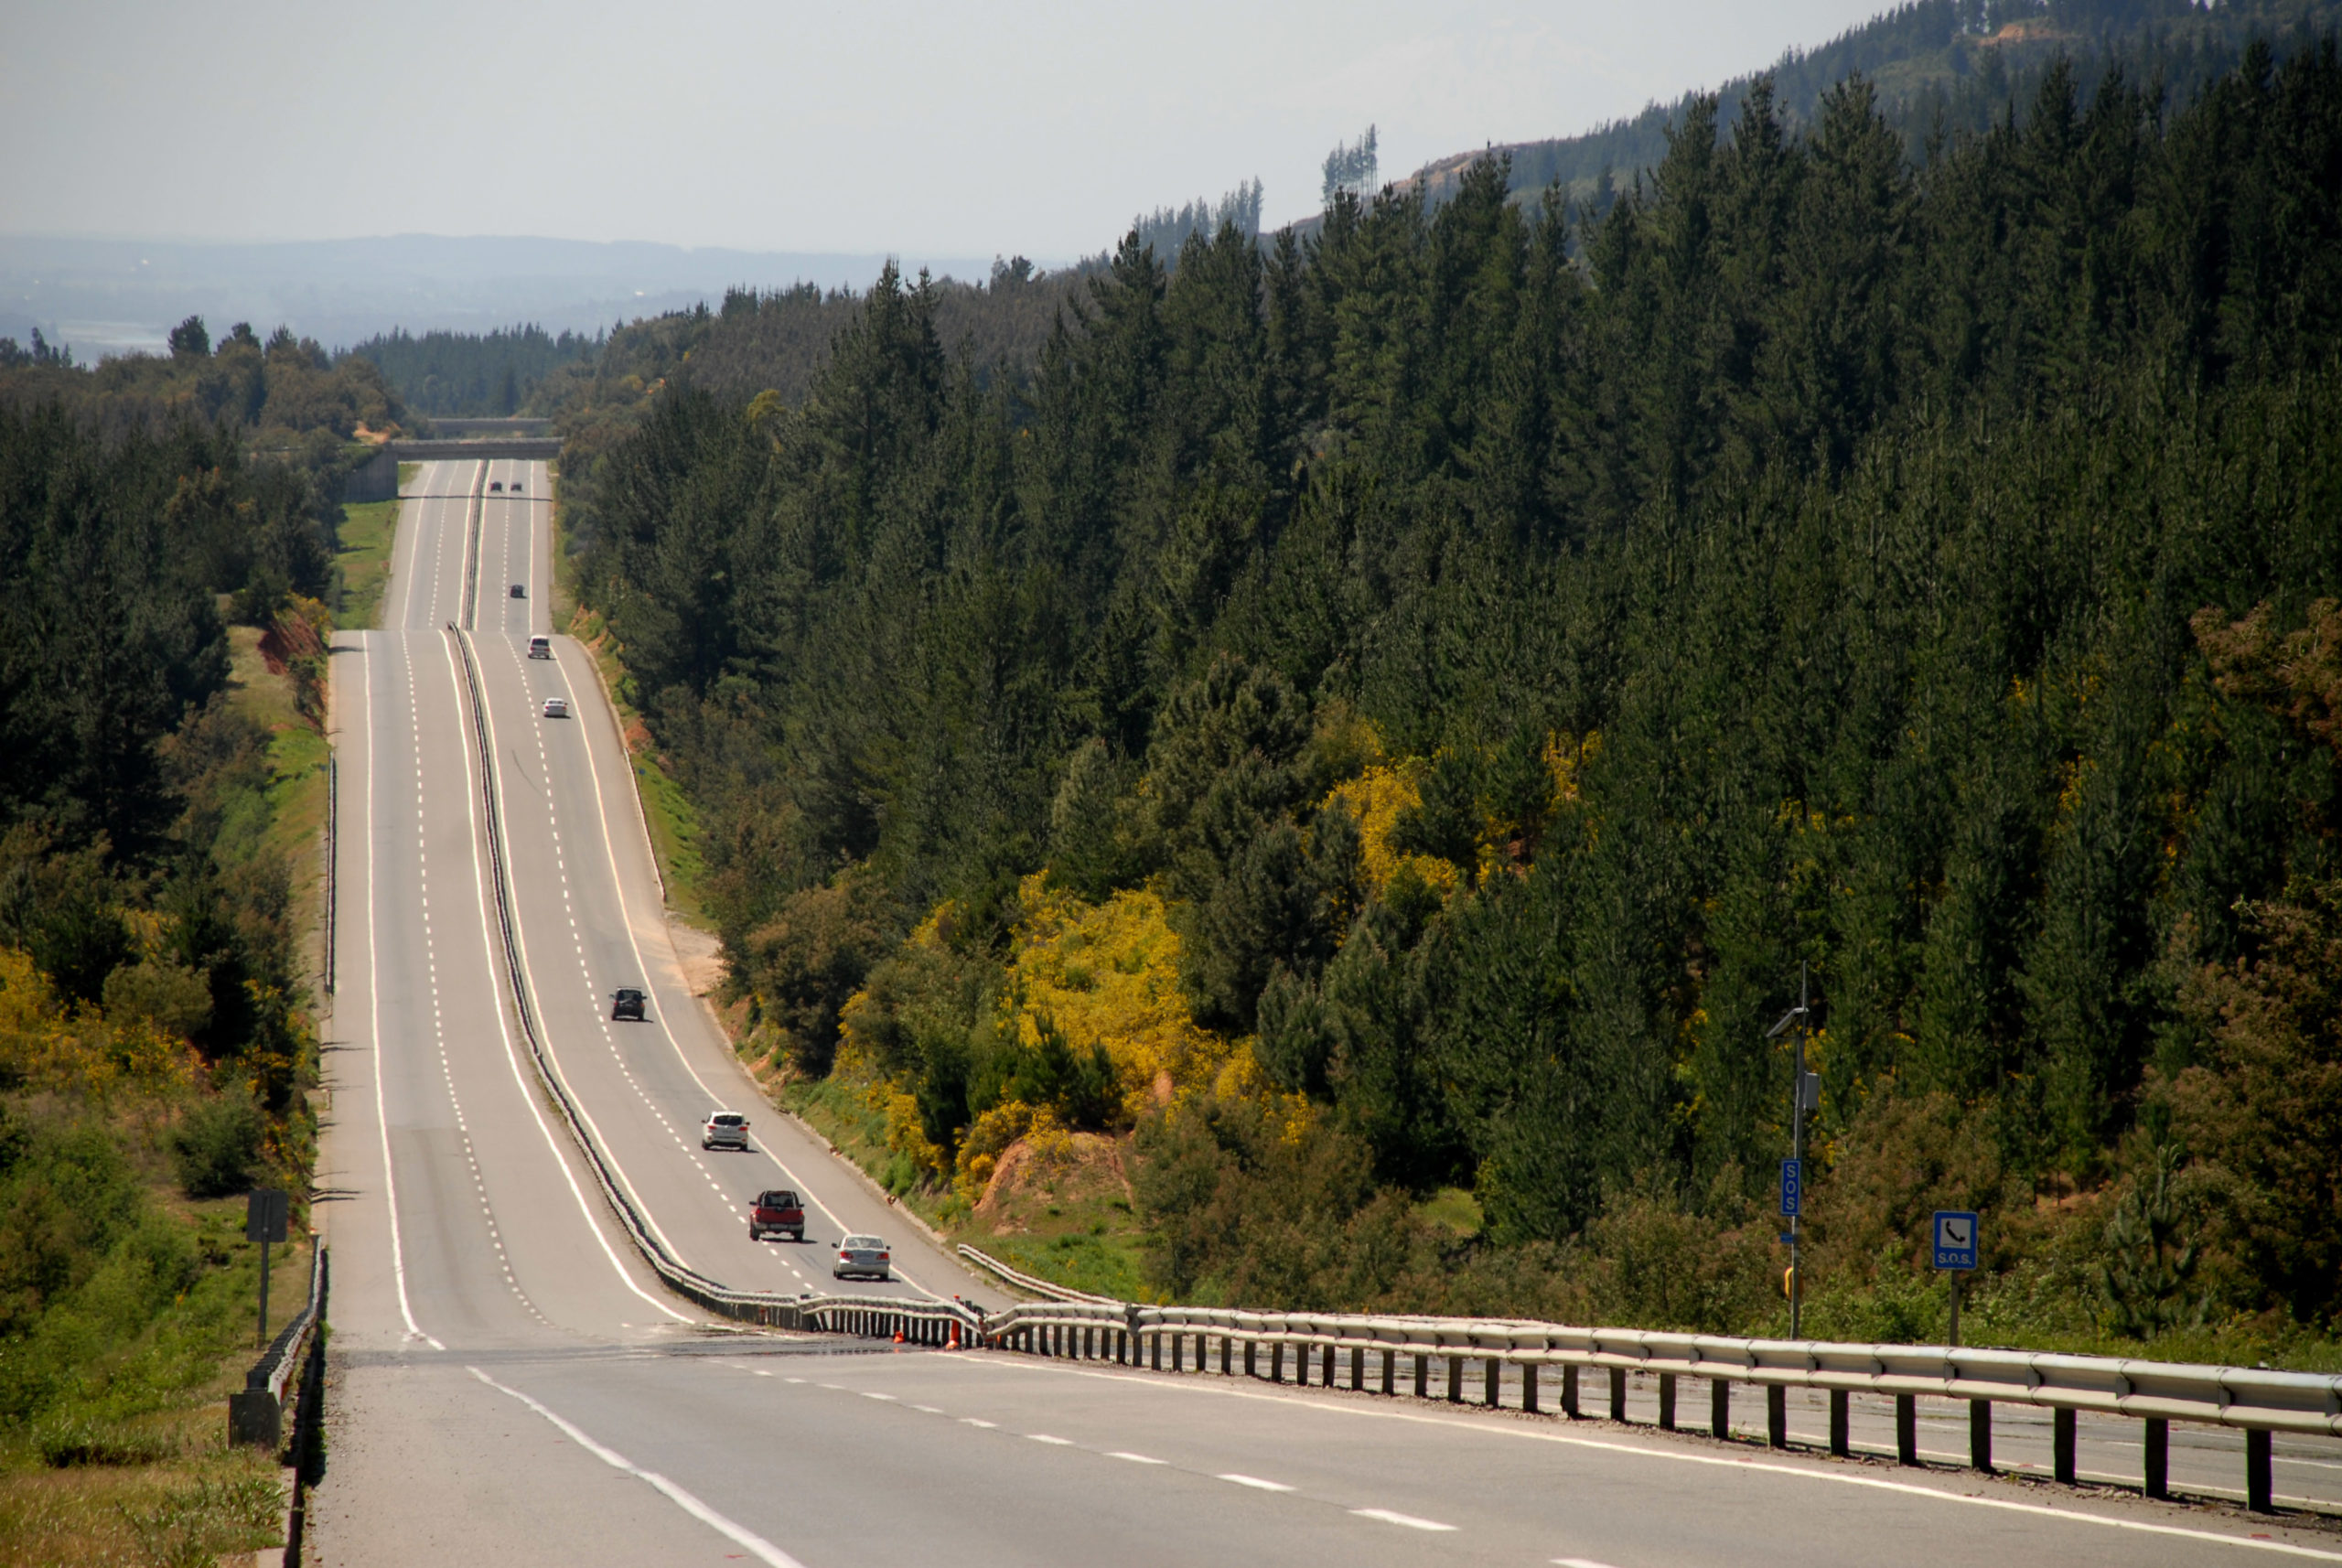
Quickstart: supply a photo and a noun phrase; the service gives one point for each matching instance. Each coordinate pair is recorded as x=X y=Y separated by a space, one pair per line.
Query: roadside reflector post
x=1906 y=1429
x=1666 y=1401
x=2061 y=1445
x=2158 y=1457
x=1617 y=1393
x=1777 y=1416
x=1719 y=1409
x=1841 y=1423
x=2259 y=1492
x=1979 y=1434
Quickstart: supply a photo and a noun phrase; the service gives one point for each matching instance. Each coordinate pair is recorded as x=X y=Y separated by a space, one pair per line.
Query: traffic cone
x=899 y=1336
x=955 y=1336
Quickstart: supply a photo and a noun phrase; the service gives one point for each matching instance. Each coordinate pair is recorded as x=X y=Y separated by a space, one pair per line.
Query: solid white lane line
x=1661 y=1452
x=374 y=1012
x=1254 y=1482
x=739 y=1534
x=1389 y=1516
x=487 y=948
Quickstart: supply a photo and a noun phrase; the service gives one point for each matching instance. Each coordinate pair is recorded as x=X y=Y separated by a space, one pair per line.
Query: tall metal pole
x=1797 y=1148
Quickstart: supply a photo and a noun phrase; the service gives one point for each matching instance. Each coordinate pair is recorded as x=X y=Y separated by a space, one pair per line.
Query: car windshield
x=864 y=1244
x=728 y=1119
x=778 y=1200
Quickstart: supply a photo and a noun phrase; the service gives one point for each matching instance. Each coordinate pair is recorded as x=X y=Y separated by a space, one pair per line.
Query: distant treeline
x=1940 y=68
x=490 y=375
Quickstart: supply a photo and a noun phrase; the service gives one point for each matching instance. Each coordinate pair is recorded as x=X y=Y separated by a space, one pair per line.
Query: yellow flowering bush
x=1110 y=973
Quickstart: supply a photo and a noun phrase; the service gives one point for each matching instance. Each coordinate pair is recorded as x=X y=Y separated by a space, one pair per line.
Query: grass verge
x=362 y=565
x=125 y=1457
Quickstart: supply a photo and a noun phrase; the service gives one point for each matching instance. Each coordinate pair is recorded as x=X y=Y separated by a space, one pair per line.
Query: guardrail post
x=1666 y=1401
x=2062 y=1444
x=1496 y=1372
x=1422 y=1377
x=1179 y=1353
x=1154 y=1352
x=1841 y=1423
x=2259 y=1493
x=1251 y=1358
x=1529 y=1386
x=1301 y=1365
x=1358 y=1368
x=1979 y=1434
x=1719 y=1409
x=1906 y=1429
x=1569 y=1391
x=1326 y=1367
x=1617 y=1393
x=1776 y=1415
x=2158 y=1458
x=1390 y=1372
x=1456 y=1379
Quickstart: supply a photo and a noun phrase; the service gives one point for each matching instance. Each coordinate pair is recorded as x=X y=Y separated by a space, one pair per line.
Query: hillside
x=1323 y=784
x=1938 y=67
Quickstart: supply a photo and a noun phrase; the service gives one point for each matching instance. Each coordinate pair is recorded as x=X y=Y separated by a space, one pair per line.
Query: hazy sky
x=945 y=129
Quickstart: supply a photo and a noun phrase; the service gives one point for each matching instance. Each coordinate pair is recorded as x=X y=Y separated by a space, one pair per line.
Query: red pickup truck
x=775 y=1212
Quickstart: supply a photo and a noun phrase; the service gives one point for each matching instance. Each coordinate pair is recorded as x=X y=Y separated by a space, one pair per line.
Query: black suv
x=626 y=1002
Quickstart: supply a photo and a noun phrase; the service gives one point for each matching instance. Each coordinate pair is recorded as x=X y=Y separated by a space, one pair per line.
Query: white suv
x=724 y=1130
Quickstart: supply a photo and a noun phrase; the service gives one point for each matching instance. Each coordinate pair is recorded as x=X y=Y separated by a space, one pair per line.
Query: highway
x=510 y=1384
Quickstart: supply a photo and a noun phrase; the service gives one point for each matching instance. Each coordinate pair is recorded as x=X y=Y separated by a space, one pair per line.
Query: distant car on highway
x=556 y=707
x=516 y=487
x=520 y=590
x=865 y=1255
x=626 y=1002
x=496 y=484
x=775 y=1213
x=724 y=1130
x=541 y=647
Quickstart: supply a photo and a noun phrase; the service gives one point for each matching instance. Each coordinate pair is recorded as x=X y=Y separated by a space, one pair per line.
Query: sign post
x=1805 y=1094
x=264 y=1216
x=1955 y=1250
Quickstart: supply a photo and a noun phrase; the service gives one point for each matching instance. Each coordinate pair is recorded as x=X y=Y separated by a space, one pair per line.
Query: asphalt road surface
x=511 y=1385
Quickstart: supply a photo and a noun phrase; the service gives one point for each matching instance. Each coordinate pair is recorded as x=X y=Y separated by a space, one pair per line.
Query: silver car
x=556 y=707
x=865 y=1255
x=724 y=1130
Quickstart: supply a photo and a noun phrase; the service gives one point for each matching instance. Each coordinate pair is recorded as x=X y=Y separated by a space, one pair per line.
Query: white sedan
x=556 y=707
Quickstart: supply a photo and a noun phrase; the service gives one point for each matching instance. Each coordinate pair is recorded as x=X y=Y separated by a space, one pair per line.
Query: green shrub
x=217 y=1147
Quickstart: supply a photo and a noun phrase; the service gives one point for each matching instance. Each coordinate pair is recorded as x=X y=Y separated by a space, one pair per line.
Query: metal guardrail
x=256 y=1411
x=333 y=852
x=921 y=1322
x=2259 y=1402
x=1027 y=1282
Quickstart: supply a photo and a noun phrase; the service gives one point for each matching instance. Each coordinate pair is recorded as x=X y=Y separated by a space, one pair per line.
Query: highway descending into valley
x=509 y=1383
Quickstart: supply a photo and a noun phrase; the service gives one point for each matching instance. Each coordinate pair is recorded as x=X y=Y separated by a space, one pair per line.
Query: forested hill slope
x=1938 y=66
x=1396 y=712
